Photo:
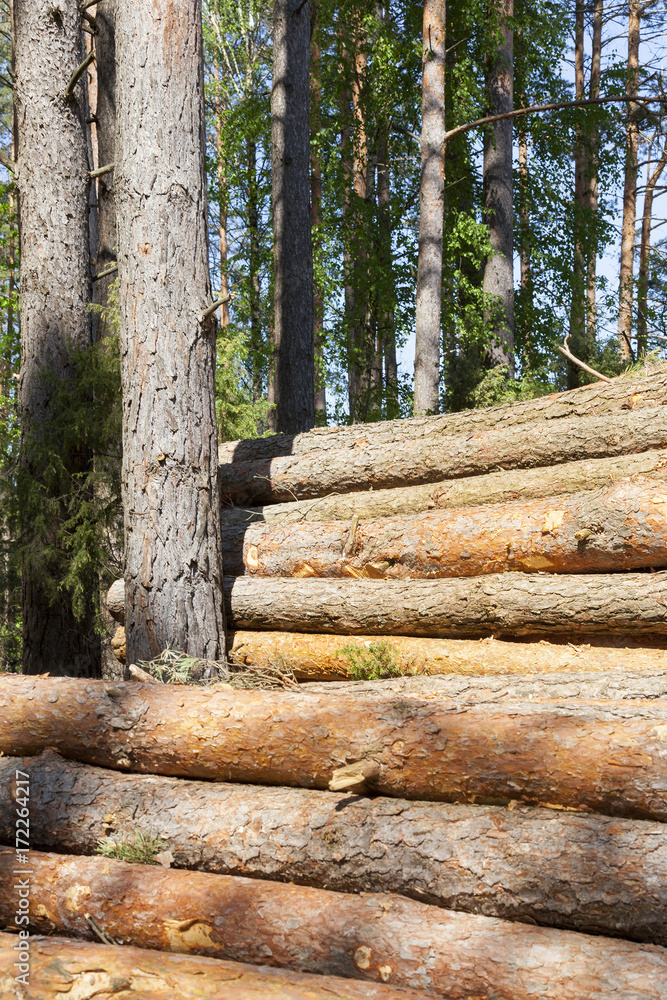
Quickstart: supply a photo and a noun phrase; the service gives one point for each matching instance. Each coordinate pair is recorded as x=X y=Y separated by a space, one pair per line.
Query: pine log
x=618 y=527
x=66 y=968
x=559 y=869
x=376 y=937
x=320 y=657
x=603 y=756
x=365 y=464
x=596 y=399
x=505 y=605
x=494 y=487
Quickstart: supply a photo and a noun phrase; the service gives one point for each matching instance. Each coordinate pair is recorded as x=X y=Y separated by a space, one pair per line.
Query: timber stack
x=461 y=790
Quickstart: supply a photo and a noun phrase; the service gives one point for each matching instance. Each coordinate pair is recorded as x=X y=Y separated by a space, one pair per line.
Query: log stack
x=486 y=821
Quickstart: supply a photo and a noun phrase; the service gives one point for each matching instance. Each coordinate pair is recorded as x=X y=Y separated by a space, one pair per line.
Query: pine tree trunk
x=498 y=281
x=105 y=970
x=593 y=165
x=416 y=460
x=294 y=372
x=626 y=276
x=173 y=577
x=402 y=738
x=645 y=252
x=577 y=325
x=105 y=128
x=222 y=196
x=254 y=289
x=431 y=210
x=559 y=869
x=387 y=327
x=315 y=221
x=53 y=185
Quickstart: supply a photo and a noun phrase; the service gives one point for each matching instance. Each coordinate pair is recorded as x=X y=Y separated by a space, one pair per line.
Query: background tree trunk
x=52 y=180
x=293 y=359
x=593 y=164
x=173 y=563
x=220 y=107
x=645 y=251
x=315 y=220
x=559 y=869
x=431 y=209
x=629 y=189
x=105 y=131
x=498 y=280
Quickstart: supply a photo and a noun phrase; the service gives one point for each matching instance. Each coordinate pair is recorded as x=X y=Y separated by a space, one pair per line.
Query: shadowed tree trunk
x=629 y=190
x=498 y=280
x=315 y=220
x=105 y=125
x=53 y=185
x=220 y=105
x=293 y=358
x=254 y=290
x=431 y=210
x=173 y=562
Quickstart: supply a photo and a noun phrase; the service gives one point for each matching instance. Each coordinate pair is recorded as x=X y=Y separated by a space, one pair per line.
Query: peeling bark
x=544 y=866
x=87 y=970
x=173 y=562
x=379 y=937
x=485 y=748
x=366 y=463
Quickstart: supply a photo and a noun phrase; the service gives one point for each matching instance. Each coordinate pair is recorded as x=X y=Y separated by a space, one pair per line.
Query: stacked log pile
x=490 y=824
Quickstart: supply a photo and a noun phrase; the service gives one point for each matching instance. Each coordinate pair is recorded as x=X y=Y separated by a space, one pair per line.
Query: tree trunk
x=173 y=562
x=52 y=180
x=506 y=605
x=431 y=209
x=316 y=220
x=416 y=461
x=619 y=527
x=645 y=252
x=220 y=105
x=294 y=374
x=105 y=128
x=59 y=965
x=371 y=936
x=419 y=745
x=494 y=487
x=254 y=289
x=577 y=326
x=498 y=281
x=597 y=398
x=629 y=189
x=592 y=182
x=387 y=331
x=573 y=871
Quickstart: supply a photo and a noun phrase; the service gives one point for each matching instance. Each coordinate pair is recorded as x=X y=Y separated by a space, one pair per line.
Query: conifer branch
x=105 y=272
x=564 y=349
x=215 y=305
x=77 y=74
x=7 y=162
x=101 y=170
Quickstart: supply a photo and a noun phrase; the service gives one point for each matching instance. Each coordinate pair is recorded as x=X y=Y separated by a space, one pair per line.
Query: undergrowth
x=373 y=662
x=140 y=849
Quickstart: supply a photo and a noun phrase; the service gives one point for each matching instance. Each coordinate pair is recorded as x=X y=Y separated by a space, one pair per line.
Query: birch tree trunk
x=53 y=185
x=629 y=190
x=173 y=568
x=498 y=280
x=293 y=359
x=431 y=210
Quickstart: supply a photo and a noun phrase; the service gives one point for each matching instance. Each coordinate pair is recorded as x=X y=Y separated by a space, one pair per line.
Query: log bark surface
x=544 y=866
x=62 y=967
x=319 y=657
x=494 y=487
x=618 y=527
x=596 y=399
x=376 y=937
x=503 y=605
x=603 y=756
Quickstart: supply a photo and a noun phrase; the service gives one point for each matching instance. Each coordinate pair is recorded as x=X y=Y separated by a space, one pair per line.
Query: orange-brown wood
x=587 y=753
x=378 y=937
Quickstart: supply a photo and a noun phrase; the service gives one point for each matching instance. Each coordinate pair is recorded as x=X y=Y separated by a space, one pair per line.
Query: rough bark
x=592 y=178
x=629 y=189
x=386 y=319
x=173 y=563
x=88 y=970
x=431 y=208
x=52 y=180
x=371 y=936
x=577 y=318
x=474 y=748
x=294 y=374
x=411 y=462
x=105 y=129
x=559 y=869
x=589 y=400
x=316 y=219
x=319 y=657
x=494 y=487
x=498 y=279
x=645 y=250
x=618 y=527
x=505 y=605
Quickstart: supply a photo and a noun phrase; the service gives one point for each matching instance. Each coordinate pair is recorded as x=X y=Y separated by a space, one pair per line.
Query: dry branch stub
x=365 y=464
x=86 y=970
x=490 y=750
x=551 y=867
x=377 y=937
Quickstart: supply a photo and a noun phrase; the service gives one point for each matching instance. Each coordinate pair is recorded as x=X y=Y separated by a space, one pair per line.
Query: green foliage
x=373 y=662
x=140 y=848
x=495 y=388
x=237 y=414
x=174 y=667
